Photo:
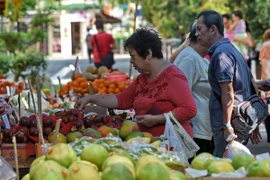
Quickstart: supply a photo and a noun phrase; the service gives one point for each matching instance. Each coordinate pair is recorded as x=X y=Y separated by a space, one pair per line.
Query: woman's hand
x=81 y=103
x=146 y=120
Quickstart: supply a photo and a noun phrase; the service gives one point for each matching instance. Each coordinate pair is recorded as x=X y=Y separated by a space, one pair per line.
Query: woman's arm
x=180 y=95
x=179 y=49
x=108 y=101
x=247 y=41
x=233 y=26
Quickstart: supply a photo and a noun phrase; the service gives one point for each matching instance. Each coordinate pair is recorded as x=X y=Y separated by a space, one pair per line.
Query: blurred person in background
x=265 y=56
x=227 y=25
x=102 y=44
x=161 y=87
x=265 y=75
x=249 y=43
x=88 y=43
x=192 y=62
x=238 y=28
x=182 y=46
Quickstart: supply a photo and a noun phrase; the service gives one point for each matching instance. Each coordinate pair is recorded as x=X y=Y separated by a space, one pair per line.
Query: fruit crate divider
x=59 y=81
x=16 y=156
x=77 y=66
x=57 y=128
x=38 y=84
x=39 y=121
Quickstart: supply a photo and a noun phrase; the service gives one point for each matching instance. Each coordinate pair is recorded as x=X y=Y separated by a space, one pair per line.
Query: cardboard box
x=41 y=149
x=96 y=109
x=246 y=178
x=26 y=154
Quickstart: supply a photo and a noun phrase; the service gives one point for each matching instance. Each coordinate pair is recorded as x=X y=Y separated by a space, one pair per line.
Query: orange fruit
x=102 y=80
x=117 y=90
x=122 y=86
x=104 y=89
x=101 y=92
x=110 y=91
x=107 y=83
x=76 y=76
x=81 y=79
x=101 y=85
x=84 y=84
x=112 y=86
x=75 y=83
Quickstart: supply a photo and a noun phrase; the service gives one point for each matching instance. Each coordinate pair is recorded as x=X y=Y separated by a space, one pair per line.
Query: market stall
x=45 y=137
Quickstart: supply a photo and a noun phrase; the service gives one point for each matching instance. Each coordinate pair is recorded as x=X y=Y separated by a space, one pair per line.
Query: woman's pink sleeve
x=126 y=97
x=180 y=95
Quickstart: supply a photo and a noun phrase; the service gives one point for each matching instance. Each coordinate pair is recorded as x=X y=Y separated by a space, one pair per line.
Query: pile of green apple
x=96 y=163
x=254 y=168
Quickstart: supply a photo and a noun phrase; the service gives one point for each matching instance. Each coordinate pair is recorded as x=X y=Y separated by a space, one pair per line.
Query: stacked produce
x=249 y=165
x=6 y=86
x=74 y=125
x=96 y=80
x=97 y=162
x=91 y=73
x=26 y=131
x=78 y=85
x=103 y=86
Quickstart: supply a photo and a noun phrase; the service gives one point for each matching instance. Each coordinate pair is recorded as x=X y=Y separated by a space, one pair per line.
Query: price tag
x=6 y=121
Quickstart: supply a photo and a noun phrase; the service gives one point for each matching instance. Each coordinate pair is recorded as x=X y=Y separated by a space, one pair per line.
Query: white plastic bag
x=172 y=142
x=177 y=138
x=235 y=148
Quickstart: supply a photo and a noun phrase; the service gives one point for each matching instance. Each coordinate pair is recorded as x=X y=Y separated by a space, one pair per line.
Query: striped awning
x=80 y=6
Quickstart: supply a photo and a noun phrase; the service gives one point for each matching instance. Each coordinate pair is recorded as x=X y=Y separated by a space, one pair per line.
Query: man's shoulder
x=188 y=51
x=190 y=54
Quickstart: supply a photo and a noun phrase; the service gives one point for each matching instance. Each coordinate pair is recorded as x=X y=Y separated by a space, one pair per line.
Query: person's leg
x=219 y=142
x=205 y=145
x=98 y=65
x=89 y=55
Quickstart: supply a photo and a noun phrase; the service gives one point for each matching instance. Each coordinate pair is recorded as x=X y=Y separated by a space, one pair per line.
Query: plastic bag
x=177 y=137
x=172 y=143
x=6 y=171
x=235 y=148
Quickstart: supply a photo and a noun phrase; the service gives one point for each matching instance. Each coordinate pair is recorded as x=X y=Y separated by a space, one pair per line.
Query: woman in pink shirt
x=161 y=87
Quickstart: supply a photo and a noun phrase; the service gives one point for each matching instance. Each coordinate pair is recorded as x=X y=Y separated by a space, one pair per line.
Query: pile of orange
x=103 y=86
x=4 y=83
x=78 y=85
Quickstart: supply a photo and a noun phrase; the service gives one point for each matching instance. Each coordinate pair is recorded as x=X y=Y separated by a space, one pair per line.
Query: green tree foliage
x=28 y=5
x=171 y=16
x=17 y=49
x=256 y=13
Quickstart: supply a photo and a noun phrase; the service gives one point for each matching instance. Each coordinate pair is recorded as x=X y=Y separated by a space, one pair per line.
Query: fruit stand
x=55 y=141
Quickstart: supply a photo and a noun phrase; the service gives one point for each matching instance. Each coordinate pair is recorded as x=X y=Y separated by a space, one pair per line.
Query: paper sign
x=6 y=121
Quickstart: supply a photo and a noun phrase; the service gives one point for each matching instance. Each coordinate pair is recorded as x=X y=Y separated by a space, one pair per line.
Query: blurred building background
x=66 y=36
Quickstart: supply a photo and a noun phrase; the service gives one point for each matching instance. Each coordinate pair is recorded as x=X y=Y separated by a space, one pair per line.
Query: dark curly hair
x=143 y=40
x=238 y=13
